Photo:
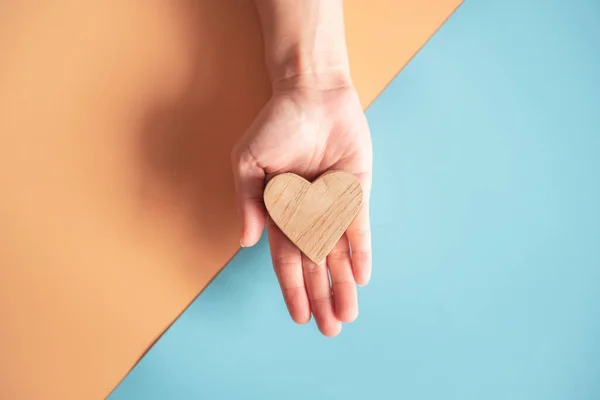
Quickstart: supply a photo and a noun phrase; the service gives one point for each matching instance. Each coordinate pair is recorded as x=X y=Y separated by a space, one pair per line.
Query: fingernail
x=242 y=243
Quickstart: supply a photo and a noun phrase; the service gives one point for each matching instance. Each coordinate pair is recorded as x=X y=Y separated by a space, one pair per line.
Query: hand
x=308 y=129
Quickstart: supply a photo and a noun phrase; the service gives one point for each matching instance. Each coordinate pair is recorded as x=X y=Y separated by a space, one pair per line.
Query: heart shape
x=314 y=215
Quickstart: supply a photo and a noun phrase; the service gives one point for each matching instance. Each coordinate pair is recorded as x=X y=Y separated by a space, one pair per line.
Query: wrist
x=305 y=43
x=324 y=80
x=305 y=58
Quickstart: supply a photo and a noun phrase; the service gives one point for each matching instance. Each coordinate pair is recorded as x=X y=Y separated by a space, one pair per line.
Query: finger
x=359 y=236
x=287 y=263
x=249 y=181
x=345 y=298
x=253 y=220
x=320 y=297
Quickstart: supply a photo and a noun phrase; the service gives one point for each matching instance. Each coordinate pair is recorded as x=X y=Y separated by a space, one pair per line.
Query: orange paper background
x=116 y=206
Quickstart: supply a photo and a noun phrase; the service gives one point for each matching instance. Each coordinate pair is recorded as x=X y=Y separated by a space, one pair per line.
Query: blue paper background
x=486 y=229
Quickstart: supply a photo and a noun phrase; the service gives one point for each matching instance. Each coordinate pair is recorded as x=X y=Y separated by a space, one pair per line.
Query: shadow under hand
x=185 y=142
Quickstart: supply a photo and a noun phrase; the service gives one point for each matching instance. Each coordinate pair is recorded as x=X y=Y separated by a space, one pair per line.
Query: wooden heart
x=314 y=215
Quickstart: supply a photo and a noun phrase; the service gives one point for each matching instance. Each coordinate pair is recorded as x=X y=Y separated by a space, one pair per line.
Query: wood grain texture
x=314 y=215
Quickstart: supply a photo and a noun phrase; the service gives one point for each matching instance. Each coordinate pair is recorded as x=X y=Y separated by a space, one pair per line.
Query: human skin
x=312 y=123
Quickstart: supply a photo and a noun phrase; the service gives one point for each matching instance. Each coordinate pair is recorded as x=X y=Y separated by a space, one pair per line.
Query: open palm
x=309 y=132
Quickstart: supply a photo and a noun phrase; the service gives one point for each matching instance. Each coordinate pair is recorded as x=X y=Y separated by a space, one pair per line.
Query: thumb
x=249 y=180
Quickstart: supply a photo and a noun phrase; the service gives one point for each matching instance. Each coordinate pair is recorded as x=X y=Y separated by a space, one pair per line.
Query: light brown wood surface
x=314 y=215
x=117 y=205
